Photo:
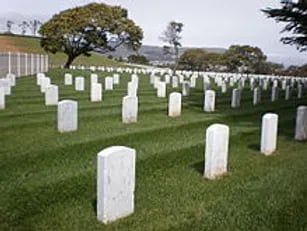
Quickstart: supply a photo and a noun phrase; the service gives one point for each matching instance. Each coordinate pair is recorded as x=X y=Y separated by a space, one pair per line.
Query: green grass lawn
x=48 y=179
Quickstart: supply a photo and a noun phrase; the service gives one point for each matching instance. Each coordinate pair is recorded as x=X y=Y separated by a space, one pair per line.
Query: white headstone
x=175 y=82
x=92 y=68
x=252 y=84
x=116 y=79
x=301 y=123
x=132 y=89
x=5 y=84
x=52 y=95
x=216 y=152
x=12 y=78
x=161 y=90
x=79 y=84
x=94 y=78
x=108 y=83
x=130 y=109
x=209 y=104
x=284 y=84
x=185 y=88
x=274 y=94
x=115 y=183
x=288 y=93
x=269 y=133
x=231 y=82
x=2 y=98
x=174 y=104
x=44 y=83
x=181 y=79
x=193 y=82
x=257 y=96
x=265 y=85
x=299 y=91
x=39 y=76
x=67 y=116
x=152 y=79
x=236 y=98
x=167 y=79
x=224 y=87
x=156 y=81
x=135 y=80
x=68 y=79
x=96 y=92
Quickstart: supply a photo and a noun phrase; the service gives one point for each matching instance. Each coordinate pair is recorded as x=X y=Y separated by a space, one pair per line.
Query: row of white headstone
x=52 y=91
x=130 y=102
x=257 y=83
x=209 y=99
x=68 y=111
x=116 y=165
x=80 y=81
x=232 y=78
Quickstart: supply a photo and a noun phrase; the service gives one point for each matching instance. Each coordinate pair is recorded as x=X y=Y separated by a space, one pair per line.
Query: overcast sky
x=207 y=23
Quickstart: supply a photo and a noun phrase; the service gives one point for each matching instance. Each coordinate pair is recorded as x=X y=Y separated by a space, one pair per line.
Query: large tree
x=93 y=27
x=194 y=59
x=244 y=59
x=139 y=59
x=295 y=17
x=172 y=36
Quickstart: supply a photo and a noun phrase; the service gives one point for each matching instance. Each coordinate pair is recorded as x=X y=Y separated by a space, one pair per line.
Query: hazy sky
x=207 y=23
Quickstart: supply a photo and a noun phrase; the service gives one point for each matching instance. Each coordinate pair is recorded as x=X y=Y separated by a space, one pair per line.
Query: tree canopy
x=93 y=27
x=295 y=17
x=195 y=59
x=139 y=59
x=244 y=58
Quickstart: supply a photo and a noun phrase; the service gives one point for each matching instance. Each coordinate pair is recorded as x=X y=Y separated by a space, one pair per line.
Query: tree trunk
x=69 y=61
x=176 y=60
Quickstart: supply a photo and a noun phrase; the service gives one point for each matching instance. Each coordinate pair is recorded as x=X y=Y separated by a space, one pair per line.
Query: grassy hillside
x=31 y=45
x=48 y=179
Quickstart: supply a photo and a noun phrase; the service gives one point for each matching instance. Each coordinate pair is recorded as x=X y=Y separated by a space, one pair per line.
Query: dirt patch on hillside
x=6 y=45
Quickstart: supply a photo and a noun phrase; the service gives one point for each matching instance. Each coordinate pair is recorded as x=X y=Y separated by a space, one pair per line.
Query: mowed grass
x=32 y=45
x=48 y=179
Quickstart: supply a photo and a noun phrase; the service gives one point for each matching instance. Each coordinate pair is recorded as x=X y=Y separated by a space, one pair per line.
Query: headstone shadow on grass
x=199 y=167
x=254 y=147
x=94 y=205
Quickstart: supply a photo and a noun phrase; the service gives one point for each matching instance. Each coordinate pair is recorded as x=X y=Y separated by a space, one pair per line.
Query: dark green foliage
x=200 y=60
x=139 y=59
x=48 y=179
x=244 y=59
x=94 y=27
x=294 y=15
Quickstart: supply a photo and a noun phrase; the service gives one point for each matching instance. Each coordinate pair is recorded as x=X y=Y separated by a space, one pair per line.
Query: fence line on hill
x=22 y=64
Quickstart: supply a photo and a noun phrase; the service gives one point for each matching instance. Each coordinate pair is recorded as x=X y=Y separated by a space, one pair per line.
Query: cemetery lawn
x=48 y=179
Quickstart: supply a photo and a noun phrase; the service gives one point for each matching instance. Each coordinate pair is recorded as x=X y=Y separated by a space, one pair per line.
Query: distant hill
x=155 y=53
